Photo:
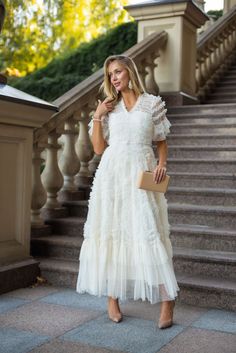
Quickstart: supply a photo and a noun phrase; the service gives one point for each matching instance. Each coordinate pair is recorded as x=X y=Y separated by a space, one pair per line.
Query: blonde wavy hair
x=108 y=89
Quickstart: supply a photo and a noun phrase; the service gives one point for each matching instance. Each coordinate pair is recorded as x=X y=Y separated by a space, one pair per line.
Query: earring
x=130 y=85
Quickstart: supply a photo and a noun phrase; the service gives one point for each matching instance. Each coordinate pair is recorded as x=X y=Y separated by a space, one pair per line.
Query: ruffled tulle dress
x=126 y=252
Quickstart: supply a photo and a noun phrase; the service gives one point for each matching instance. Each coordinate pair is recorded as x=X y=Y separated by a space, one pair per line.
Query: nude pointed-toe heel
x=117 y=318
x=167 y=323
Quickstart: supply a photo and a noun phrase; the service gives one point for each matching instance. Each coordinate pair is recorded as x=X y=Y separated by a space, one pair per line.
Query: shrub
x=65 y=72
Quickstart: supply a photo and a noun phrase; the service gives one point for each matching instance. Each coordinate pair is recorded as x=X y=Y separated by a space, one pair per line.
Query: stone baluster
x=215 y=61
x=142 y=71
x=69 y=163
x=83 y=147
x=205 y=72
x=222 y=66
x=39 y=195
x=51 y=177
x=210 y=65
x=202 y=92
x=93 y=164
x=150 y=65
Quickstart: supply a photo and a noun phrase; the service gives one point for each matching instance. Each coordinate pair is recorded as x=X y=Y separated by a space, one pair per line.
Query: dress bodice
x=144 y=123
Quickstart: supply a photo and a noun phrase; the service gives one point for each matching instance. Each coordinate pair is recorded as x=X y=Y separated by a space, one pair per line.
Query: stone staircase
x=202 y=202
x=225 y=91
x=202 y=210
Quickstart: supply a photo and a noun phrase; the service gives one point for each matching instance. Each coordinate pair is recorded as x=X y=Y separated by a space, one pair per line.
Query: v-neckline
x=134 y=106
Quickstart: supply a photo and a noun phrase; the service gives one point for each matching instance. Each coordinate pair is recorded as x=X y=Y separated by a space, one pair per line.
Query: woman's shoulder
x=149 y=102
x=152 y=98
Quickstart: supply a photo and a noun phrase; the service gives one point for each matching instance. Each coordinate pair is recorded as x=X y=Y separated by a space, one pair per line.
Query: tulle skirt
x=126 y=252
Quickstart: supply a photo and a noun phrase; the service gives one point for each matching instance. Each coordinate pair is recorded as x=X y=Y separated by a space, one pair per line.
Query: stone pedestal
x=176 y=69
x=19 y=115
x=228 y=4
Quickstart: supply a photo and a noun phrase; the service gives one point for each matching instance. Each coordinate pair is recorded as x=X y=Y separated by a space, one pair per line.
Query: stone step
x=71 y=226
x=203 y=237
x=201 y=196
x=201 y=139
x=224 y=88
x=71 y=195
x=220 y=264
x=194 y=289
x=203 y=118
x=203 y=215
x=211 y=128
x=221 y=100
x=204 y=152
x=207 y=180
x=203 y=109
x=223 y=83
x=57 y=246
x=57 y=272
x=191 y=165
x=77 y=208
x=207 y=291
x=223 y=95
x=229 y=77
x=231 y=70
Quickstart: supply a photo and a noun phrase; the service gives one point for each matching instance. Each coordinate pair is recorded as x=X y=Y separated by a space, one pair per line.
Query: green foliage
x=215 y=14
x=63 y=73
x=36 y=31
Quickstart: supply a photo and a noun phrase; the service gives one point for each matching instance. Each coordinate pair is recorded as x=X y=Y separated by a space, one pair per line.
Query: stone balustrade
x=71 y=165
x=215 y=53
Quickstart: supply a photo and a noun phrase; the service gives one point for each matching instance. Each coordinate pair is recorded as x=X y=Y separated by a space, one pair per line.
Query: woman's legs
x=114 y=312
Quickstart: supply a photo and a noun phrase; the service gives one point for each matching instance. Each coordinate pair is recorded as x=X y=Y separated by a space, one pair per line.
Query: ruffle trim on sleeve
x=160 y=121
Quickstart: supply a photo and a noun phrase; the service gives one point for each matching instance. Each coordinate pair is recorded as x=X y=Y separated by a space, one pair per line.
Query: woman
x=126 y=252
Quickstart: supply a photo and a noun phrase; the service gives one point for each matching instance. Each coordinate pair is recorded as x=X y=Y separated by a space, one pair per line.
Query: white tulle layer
x=126 y=252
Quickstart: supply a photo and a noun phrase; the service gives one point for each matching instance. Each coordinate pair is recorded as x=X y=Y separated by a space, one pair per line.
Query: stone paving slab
x=7 y=304
x=71 y=298
x=49 y=319
x=59 y=346
x=32 y=293
x=183 y=314
x=220 y=320
x=15 y=341
x=194 y=340
x=132 y=335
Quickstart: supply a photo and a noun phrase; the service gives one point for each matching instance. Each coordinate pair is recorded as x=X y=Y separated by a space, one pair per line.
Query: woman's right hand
x=104 y=107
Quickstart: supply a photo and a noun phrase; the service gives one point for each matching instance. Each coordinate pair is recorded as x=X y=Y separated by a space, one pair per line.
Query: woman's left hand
x=159 y=174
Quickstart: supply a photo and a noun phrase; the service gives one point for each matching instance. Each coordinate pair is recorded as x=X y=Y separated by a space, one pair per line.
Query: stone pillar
x=176 y=69
x=228 y=4
x=20 y=113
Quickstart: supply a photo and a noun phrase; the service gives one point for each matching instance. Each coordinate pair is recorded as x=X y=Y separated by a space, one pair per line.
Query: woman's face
x=119 y=76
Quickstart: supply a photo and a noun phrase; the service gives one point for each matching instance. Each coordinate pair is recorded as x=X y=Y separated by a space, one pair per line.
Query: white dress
x=126 y=252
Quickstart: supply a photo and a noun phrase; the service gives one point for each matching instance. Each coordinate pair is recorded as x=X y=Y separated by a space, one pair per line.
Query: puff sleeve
x=161 y=124
x=105 y=127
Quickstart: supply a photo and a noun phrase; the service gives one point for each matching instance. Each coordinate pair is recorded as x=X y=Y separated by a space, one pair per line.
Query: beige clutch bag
x=145 y=181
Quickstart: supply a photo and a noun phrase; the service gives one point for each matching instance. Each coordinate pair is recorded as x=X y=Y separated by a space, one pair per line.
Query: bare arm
x=160 y=170
x=98 y=141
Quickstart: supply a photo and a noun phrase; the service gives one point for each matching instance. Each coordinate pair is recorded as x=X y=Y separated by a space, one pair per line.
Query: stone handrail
x=214 y=52
x=77 y=162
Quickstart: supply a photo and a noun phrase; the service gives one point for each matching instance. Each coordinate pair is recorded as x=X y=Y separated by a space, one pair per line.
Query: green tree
x=215 y=14
x=36 y=31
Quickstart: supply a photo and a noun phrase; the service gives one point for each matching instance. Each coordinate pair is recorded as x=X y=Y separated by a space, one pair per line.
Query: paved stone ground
x=46 y=319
